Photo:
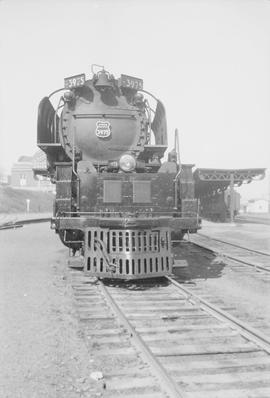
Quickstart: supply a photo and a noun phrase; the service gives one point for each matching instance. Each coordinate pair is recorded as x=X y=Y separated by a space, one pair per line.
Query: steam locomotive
x=117 y=203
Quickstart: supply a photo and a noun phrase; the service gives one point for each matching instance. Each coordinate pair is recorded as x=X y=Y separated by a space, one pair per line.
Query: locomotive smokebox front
x=101 y=123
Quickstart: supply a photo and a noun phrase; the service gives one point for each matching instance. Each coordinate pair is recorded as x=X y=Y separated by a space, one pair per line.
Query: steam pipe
x=176 y=148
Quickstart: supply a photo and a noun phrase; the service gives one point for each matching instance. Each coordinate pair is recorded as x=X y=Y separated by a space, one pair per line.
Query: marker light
x=69 y=95
x=127 y=163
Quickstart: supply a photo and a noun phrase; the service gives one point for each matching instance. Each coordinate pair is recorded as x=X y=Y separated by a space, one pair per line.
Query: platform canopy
x=209 y=182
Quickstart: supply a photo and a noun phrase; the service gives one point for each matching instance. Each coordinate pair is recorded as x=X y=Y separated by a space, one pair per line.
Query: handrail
x=55 y=127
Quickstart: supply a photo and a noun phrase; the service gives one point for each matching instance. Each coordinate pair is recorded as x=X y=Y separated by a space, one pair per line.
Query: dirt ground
x=249 y=296
x=247 y=292
x=42 y=352
x=243 y=294
x=253 y=236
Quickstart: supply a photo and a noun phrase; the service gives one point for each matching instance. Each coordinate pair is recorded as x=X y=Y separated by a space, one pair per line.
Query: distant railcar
x=217 y=207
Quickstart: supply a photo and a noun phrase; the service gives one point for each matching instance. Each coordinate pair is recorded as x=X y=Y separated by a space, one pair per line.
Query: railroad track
x=13 y=224
x=158 y=339
x=252 y=220
x=259 y=260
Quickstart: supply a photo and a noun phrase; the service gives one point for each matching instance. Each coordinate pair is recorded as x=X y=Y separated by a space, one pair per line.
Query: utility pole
x=27 y=205
x=268 y=190
x=231 y=198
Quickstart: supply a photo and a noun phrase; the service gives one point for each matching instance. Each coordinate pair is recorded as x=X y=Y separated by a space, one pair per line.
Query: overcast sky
x=208 y=61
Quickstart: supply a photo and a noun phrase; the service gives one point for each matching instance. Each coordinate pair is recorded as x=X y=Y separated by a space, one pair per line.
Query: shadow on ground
x=197 y=263
x=138 y=285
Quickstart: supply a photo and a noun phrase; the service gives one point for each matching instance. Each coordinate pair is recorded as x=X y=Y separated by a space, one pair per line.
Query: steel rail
x=260 y=267
x=20 y=223
x=244 y=329
x=167 y=384
x=251 y=220
x=235 y=245
x=10 y=226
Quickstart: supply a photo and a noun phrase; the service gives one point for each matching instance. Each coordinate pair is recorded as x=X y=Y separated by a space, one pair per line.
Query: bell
x=103 y=80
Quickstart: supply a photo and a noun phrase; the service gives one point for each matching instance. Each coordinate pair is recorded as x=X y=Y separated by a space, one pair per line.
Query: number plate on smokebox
x=131 y=82
x=74 y=81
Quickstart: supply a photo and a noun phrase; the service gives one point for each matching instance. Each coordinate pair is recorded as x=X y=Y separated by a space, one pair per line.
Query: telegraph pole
x=231 y=198
x=268 y=190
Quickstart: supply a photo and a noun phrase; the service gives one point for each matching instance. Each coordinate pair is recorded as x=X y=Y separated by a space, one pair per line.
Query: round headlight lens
x=127 y=163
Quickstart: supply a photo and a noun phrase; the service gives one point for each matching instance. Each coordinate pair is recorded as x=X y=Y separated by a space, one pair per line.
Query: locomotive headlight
x=127 y=163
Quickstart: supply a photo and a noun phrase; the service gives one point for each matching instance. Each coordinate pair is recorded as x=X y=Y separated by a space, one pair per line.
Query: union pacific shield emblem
x=103 y=129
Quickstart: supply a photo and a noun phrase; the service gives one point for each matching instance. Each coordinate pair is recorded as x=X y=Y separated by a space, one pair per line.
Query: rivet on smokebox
x=96 y=376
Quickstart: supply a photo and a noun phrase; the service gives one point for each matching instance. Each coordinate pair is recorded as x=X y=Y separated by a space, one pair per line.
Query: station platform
x=251 y=235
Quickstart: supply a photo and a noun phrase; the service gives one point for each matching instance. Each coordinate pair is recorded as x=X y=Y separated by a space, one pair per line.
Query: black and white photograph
x=135 y=199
